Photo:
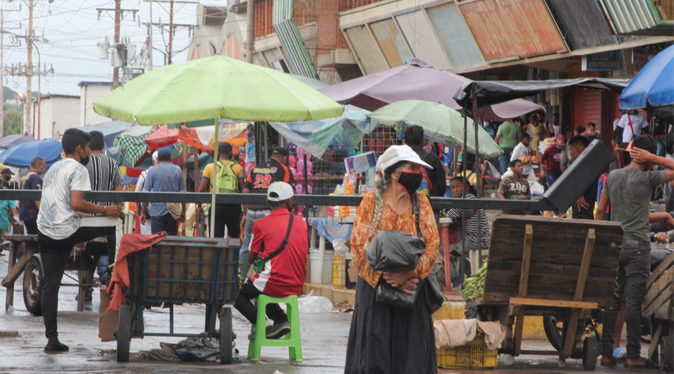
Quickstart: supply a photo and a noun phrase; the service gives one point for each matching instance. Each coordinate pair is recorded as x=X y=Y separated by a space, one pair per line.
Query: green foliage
x=12 y=120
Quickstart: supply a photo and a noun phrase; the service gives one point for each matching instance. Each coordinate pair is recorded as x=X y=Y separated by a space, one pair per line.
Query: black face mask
x=410 y=181
x=84 y=160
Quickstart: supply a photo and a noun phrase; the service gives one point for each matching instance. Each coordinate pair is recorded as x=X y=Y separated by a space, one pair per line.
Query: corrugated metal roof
x=628 y=16
x=510 y=29
x=291 y=40
x=456 y=37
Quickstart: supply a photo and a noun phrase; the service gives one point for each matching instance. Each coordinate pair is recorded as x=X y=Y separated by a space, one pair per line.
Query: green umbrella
x=213 y=87
x=441 y=124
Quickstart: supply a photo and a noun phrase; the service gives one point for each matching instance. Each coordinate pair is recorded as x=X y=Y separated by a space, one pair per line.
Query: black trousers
x=633 y=270
x=227 y=215
x=54 y=255
x=165 y=223
x=31 y=226
x=246 y=307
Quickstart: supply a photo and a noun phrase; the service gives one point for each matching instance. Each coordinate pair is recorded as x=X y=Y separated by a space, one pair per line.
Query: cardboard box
x=107 y=322
x=360 y=163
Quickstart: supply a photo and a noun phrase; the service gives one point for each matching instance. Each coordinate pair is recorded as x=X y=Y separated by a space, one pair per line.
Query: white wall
x=57 y=115
x=88 y=94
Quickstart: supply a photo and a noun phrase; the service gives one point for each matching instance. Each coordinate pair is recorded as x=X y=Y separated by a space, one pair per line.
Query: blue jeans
x=551 y=178
x=165 y=223
x=662 y=145
x=251 y=217
x=505 y=158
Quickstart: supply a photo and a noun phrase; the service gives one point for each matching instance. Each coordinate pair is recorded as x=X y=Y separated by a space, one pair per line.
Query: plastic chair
x=291 y=340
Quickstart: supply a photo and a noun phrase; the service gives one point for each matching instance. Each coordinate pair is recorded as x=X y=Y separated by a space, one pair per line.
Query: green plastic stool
x=291 y=340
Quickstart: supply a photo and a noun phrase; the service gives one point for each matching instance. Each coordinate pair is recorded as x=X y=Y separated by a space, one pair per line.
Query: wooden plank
x=526 y=260
x=666 y=311
x=9 y=297
x=21 y=238
x=580 y=289
x=16 y=270
x=585 y=265
x=655 y=340
x=658 y=287
x=655 y=305
x=524 y=283
x=553 y=303
x=664 y=265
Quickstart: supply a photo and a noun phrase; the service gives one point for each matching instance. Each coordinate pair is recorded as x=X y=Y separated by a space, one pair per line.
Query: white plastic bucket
x=327 y=266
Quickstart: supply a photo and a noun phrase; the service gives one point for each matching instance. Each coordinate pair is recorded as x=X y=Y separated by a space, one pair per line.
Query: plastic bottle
x=300 y=165
x=299 y=189
x=292 y=160
x=300 y=154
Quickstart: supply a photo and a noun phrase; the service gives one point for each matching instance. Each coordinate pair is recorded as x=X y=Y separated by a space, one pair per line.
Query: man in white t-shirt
x=522 y=152
x=60 y=226
x=633 y=124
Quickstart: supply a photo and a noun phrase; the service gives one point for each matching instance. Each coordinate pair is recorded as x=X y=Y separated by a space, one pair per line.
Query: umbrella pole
x=478 y=169
x=463 y=211
x=196 y=187
x=216 y=143
x=184 y=178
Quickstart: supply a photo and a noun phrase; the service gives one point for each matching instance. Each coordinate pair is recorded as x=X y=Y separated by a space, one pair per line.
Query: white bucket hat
x=397 y=153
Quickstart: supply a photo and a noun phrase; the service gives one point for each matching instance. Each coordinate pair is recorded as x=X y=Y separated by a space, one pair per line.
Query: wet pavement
x=324 y=338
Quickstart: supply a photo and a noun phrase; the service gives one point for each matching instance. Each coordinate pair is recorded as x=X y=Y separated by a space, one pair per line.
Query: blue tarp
x=10 y=141
x=22 y=155
x=331 y=230
x=653 y=85
x=316 y=136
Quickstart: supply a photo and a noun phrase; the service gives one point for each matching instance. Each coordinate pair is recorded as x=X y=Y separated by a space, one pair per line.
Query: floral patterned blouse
x=390 y=220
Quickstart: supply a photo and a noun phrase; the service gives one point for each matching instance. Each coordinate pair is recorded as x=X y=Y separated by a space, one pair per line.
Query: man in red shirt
x=551 y=168
x=284 y=245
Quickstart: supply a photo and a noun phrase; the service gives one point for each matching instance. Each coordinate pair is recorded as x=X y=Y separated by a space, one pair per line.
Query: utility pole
x=170 y=43
x=115 y=72
x=29 y=70
x=250 y=42
x=150 y=50
x=119 y=13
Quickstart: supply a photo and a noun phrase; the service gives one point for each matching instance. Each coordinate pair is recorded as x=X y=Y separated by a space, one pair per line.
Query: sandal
x=609 y=362
x=648 y=364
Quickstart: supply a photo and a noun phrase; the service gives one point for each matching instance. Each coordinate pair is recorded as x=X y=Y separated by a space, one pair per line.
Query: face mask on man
x=410 y=181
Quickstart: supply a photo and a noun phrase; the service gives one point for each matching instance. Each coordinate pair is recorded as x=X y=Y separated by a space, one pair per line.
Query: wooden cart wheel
x=123 y=333
x=226 y=336
x=590 y=353
x=31 y=286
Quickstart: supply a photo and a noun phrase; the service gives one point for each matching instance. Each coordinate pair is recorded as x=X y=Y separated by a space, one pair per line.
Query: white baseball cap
x=397 y=153
x=279 y=191
x=155 y=156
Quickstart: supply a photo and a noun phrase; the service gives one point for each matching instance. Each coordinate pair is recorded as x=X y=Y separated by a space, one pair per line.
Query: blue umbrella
x=22 y=155
x=10 y=141
x=654 y=84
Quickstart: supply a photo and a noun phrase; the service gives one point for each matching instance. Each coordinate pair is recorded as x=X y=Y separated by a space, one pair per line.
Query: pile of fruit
x=473 y=287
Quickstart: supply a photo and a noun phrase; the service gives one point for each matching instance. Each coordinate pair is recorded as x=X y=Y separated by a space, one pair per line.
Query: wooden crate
x=659 y=299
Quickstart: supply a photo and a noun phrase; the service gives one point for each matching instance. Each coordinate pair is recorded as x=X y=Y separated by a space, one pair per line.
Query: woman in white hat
x=386 y=339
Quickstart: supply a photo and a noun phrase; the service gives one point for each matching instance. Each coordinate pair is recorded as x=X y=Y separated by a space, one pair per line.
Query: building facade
x=56 y=114
x=90 y=92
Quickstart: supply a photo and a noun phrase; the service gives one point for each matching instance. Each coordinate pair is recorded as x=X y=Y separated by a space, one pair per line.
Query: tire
x=123 y=333
x=553 y=332
x=226 y=336
x=590 y=353
x=32 y=291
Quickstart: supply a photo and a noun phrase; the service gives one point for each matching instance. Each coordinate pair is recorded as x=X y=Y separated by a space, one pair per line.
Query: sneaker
x=56 y=346
x=278 y=330
x=251 y=336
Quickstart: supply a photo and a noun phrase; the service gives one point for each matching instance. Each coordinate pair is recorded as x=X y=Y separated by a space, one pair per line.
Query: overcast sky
x=72 y=29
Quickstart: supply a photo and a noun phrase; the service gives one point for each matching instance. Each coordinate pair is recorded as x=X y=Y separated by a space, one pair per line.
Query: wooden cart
x=659 y=306
x=24 y=258
x=551 y=267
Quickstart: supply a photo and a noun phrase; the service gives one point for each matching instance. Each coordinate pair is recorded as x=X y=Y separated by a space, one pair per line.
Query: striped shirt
x=473 y=222
x=104 y=175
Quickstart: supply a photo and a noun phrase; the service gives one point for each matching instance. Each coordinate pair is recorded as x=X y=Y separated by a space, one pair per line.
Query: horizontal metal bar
x=319 y=200
x=169 y=334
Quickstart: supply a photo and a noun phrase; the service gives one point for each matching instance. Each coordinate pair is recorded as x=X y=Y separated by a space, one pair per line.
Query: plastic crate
x=339 y=271
x=473 y=355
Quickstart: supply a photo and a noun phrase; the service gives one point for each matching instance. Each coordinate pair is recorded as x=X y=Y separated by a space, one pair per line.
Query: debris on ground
x=343 y=307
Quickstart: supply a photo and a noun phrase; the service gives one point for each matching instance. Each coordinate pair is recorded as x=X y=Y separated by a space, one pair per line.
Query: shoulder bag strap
x=629 y=118
x=285 y=241
x=161 y=179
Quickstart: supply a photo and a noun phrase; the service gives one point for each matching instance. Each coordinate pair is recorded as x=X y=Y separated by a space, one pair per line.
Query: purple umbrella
x=417 y=81
x=10 y=141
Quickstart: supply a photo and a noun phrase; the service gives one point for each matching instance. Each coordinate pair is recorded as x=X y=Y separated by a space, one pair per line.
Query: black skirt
x=390 y=341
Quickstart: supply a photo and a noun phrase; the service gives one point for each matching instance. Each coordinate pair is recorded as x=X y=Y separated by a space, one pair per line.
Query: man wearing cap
x=145 y=228
x=7 y=174
x=551 y=167
x=165 y=177
x=284 y=268
x=258 y=181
